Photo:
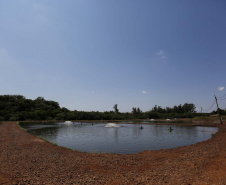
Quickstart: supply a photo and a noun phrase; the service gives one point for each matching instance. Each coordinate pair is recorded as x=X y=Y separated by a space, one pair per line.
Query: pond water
x=125 y=139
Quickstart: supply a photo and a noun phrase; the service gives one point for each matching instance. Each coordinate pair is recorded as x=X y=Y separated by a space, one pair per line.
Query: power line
x=222 y=99
x=221 y=96
x=211 y=106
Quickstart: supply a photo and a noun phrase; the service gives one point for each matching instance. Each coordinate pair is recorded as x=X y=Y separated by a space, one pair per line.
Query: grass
x=18 y=124
x=208 y=118
x=40 y=137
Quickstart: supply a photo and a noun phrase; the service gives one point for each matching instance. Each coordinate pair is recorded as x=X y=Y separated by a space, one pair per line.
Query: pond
x=123 y=139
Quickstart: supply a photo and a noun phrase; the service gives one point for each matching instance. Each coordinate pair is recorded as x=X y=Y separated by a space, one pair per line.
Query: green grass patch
x=40 y=137
x=18 y=124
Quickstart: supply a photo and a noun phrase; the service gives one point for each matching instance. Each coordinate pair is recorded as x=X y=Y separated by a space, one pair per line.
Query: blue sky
x=91 y=54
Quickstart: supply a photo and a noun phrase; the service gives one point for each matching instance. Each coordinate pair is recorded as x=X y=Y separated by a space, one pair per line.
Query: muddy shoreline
x=26 y=159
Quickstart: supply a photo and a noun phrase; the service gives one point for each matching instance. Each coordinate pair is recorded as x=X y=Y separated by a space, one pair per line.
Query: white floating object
x=168 y=119
x=111 y=125
x=68 y=122
x=152 y=119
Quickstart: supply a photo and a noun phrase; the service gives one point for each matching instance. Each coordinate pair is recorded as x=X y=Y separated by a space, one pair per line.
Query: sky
x=89 y=55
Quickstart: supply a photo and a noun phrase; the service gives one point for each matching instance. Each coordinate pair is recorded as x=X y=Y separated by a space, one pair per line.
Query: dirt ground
x=26 y=159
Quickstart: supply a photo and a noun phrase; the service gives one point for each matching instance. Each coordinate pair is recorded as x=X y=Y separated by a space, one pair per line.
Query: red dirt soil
x=26 y=159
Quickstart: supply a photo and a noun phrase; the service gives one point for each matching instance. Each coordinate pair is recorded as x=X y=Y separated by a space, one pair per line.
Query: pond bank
x=26 y=159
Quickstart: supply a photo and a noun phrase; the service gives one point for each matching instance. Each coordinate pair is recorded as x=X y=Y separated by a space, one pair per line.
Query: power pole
x=218 y=110
x=201 y=112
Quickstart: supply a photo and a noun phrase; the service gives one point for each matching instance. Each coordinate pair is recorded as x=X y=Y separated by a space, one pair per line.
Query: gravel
x=26 y=159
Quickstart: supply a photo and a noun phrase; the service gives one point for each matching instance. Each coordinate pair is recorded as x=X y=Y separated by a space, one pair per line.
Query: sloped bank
x=26 y=159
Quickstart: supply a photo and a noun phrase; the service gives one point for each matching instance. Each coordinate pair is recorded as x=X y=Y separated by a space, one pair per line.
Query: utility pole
x=218 y=110
x=201 y=112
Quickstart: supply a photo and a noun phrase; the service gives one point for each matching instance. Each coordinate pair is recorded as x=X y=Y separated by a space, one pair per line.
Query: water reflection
x=126 y=139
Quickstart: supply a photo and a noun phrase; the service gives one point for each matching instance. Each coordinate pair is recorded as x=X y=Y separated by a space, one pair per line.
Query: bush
x=14 y=118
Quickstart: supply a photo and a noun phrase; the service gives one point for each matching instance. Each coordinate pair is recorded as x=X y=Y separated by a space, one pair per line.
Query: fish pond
x=118 y=138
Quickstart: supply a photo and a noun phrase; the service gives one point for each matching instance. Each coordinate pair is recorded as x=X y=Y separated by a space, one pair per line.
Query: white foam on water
x=111 y=125
x=68 y=122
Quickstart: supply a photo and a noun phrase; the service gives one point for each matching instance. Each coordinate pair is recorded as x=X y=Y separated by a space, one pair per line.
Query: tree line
x=19 y=108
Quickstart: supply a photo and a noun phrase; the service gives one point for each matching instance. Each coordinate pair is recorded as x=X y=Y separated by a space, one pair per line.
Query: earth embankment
x=26 y=159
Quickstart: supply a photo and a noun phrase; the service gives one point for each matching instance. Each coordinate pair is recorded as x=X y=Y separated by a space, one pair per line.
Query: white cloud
x=144 y=92
x=220 y=88
x=161 y=54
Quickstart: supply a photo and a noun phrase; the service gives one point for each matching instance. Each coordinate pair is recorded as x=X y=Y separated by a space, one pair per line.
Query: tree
x=17 y=107
x=116 y=108
x=189 y=107
x=134 y=110
x=138 y=110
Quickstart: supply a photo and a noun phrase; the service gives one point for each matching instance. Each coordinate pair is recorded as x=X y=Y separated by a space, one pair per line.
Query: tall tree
x=134 y=110
x=116 y=108
x=138 y=110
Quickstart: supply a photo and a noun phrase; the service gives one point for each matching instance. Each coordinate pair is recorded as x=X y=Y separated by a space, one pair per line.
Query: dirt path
x=25 y=159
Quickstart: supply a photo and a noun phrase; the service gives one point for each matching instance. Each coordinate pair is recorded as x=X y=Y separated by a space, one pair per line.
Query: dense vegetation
x=221 y=111
x=17 y=107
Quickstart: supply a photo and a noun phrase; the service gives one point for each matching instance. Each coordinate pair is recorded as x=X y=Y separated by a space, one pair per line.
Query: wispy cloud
x=220 y=88
x=161 y=54
x=144 y=92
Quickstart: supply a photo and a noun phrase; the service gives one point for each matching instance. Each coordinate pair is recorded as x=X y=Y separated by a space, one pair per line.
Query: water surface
x=126 y=139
